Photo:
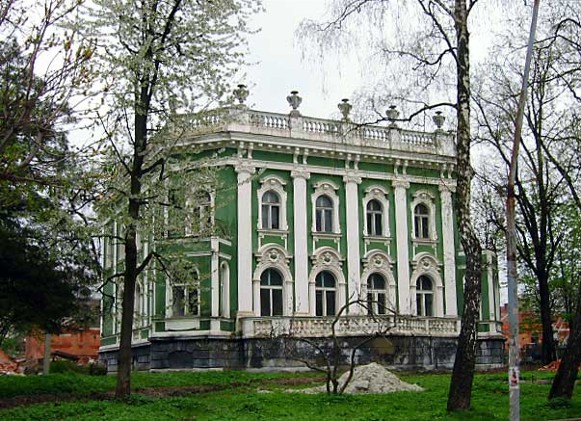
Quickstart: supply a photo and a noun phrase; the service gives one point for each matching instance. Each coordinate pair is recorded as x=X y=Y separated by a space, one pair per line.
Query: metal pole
x=514 y=360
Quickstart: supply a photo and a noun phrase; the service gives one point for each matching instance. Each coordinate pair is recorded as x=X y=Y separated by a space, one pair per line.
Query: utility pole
x=514 y=359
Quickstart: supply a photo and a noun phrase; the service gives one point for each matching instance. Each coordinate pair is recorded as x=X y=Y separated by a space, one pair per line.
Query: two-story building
x=309 y=214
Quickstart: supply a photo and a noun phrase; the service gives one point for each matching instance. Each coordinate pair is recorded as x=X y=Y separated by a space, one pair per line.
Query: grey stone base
x=395 y=352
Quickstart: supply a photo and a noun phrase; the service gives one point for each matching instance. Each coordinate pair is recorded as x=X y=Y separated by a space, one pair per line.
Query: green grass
x=260 y=400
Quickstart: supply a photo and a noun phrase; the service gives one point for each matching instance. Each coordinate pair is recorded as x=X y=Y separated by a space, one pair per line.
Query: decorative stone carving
x=294 y=100
x=438 y=120
x=345 y=108
x=241 y=93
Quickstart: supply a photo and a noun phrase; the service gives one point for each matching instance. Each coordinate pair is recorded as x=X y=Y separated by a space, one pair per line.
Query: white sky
x=281 y=68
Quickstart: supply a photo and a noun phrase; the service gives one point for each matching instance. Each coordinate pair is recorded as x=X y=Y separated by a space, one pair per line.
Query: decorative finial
x=438 y=119
x=345 y=108
x=241 y=93
x=392 y=115
x=294 y=100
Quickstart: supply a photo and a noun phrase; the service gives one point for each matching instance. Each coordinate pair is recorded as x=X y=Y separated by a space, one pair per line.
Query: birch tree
x=157 y=57
x=435 y=54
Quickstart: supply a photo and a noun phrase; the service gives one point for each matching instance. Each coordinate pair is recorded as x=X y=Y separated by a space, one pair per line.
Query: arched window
x=324 y=214
x=376 y=294
x=325 y=291
x=374 y=218
x=270 y=293
x=424 y=296
x=421 y=221
x=270 y=210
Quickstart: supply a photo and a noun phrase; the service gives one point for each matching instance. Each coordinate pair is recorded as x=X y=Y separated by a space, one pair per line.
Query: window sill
x=333 y=235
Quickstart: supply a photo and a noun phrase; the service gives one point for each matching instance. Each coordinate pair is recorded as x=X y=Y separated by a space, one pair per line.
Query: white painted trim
x=301 y=262
x=402 y=238
x=449 y=250
x=353 y=239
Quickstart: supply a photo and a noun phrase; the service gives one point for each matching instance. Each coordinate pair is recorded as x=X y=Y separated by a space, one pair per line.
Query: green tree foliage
x=48 y=257
x=156 y=58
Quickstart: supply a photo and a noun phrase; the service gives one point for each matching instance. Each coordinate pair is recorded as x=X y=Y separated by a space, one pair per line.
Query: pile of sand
x=370 y=378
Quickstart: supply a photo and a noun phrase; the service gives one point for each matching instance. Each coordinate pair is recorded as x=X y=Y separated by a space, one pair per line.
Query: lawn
x=234 y=395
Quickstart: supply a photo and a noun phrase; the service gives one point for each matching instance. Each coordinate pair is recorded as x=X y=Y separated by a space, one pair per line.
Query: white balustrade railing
x=323 y=130
x=348 y=326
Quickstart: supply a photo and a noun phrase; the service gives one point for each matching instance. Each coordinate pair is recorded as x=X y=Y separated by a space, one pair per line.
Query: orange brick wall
x=83 y=343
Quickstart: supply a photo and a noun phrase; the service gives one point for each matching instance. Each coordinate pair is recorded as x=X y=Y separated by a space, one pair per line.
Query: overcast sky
x=280 y=66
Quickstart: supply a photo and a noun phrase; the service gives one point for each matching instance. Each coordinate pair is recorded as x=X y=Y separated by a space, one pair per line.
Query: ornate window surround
x=426 y=264
x=327 y=259
x=428 y=199
x=273 y=256
x=380 y=194
x=276 y=184
x=377 y=261
x=329 y=189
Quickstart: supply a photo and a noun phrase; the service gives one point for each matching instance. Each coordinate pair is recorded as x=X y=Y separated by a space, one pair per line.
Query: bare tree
x=438 y=48
x=332 y=357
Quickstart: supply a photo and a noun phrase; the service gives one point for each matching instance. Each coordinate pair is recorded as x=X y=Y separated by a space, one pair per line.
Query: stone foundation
x=395 y=352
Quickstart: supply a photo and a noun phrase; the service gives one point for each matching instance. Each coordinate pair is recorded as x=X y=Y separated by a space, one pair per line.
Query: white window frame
x=277 y=185
x=329 y=189
x=427 y=199
x=324 y=290
x=271 y=289
x=422 y=295
x=188 y=288
x=203 y=212
x=380 y=194
x=373 y=293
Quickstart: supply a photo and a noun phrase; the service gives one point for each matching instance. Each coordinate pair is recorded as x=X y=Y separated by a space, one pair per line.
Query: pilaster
x=351 y=181
x=449 y=250
x=402 y=243
x=244 y=214
x=301 y=275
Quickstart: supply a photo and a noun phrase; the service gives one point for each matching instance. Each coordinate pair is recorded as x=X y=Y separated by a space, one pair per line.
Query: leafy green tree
x=156 y=58
x=47 y=249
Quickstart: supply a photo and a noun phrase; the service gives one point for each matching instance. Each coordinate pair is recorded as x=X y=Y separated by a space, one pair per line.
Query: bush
x=97 y=369
x=67 y=367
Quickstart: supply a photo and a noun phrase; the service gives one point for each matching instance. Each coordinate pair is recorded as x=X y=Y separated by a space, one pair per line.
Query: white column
x=301 y=257
x=353 y=239
x=215 y=282
x=244 y=215
x=449 y=250
x=402 y=244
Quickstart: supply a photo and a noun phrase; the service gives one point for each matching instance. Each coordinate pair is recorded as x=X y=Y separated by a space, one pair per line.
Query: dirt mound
x=371 y=378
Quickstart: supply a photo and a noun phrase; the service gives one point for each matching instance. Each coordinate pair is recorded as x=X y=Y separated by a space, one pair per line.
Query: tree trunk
x=548 y=353
x=564 y=382
x=123 y=388
x=460 y=393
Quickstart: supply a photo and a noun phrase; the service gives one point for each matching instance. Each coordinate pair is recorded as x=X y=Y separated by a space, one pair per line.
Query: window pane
x=381 y=304
x=275 y=224
x=264 y=216
x=319 y=303
x=378 y=228
x=265 y=302
x=328 y=220
x=193 y=302
x=318 y=220
x=419 y=308
x=425 y=233
x=277 y=302
x=330 y=303
x=178 y=301
x=429 y=306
